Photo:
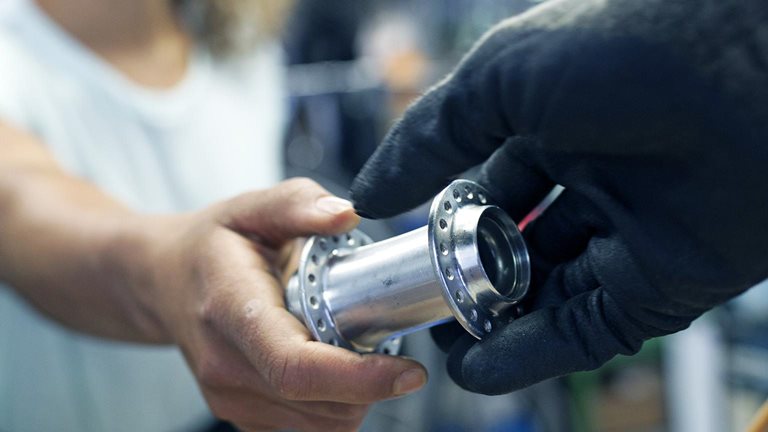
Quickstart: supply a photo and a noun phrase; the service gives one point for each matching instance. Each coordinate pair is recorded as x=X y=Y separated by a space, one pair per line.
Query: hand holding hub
x=469 y=262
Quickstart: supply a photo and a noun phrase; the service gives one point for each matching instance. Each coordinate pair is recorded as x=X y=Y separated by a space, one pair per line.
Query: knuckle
x=210 y=310
x=218 y=306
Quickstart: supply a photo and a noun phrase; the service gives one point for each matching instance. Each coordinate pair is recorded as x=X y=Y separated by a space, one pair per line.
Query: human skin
x=207 y=281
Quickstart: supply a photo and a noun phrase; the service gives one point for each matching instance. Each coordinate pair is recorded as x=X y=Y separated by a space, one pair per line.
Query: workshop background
x=354 y=67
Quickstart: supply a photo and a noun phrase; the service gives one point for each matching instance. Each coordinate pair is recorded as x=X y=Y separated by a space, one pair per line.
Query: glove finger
x=582 y=334
x=445 y=335
x=417 y=158
x=563 y=230
x=558 y=235
x=515 y=186
x=455 y=126
x=565 y=281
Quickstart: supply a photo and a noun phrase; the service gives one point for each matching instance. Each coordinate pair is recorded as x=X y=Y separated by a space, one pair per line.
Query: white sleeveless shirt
x=215 y=134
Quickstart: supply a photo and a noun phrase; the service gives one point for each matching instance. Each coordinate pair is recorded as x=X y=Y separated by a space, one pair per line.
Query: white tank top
x=215 y=134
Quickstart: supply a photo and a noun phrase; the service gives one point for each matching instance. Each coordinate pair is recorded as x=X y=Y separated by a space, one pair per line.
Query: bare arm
x=207 y=281
x=56 y=245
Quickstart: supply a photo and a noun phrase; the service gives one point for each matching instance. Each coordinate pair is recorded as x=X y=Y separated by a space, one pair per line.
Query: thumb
x=294 y=208
x=580 y=335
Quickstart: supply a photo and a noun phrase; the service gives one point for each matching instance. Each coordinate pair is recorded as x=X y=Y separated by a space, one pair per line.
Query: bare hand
x=217 y=292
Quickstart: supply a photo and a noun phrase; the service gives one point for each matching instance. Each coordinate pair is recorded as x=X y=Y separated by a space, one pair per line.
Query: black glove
x=653 y=115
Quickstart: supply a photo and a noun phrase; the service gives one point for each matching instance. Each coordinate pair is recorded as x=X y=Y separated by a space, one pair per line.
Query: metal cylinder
x=469 y=263
x=384 y=290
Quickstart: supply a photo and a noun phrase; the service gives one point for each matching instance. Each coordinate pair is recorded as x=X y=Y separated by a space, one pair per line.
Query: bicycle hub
x=468 y=263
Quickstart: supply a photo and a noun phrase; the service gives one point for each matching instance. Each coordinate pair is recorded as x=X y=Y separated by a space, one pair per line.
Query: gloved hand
x=653 y=115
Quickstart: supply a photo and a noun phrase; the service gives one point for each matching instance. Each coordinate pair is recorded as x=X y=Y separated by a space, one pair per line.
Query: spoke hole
x=449 y=274
x=468 y=191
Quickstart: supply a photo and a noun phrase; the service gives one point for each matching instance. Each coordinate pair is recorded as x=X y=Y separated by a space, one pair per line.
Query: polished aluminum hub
x=469 y=263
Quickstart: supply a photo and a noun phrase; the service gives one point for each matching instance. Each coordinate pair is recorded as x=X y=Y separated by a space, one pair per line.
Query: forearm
x=69 y=249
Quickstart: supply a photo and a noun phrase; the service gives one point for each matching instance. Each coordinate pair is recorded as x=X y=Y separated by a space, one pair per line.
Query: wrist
x=133 y=256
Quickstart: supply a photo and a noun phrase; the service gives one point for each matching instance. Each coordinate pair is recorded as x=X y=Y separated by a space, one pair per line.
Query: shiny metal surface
x=385 y=289
x=468 y=263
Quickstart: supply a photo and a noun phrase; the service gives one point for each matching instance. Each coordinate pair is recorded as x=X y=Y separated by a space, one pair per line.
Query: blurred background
x=354 y=68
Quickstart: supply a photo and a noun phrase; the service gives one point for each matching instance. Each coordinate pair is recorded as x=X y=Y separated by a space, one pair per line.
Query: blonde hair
x=229 y=27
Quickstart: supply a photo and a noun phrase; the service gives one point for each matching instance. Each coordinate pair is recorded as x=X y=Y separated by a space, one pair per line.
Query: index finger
x=456 y=125
x=435 y=140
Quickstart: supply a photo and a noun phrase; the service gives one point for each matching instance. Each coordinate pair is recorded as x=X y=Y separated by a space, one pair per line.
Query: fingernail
x=409 y=381
x=333 y=205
